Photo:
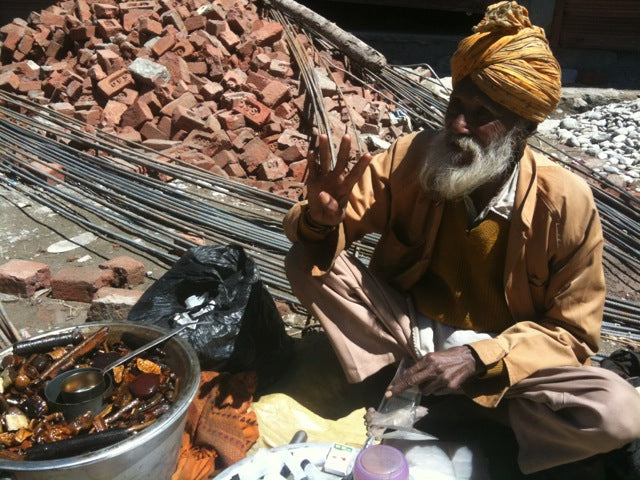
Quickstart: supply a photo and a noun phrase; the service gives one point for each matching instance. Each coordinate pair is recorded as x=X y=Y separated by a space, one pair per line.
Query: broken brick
x=49 y=172
x=195 y=22
x=151 y=131
x=225 y=157
x=244 y=136
x=114 y=83
x=79 y=284
x=183 y=119
x=9 y=81
x=186 y=100
x=104 y=10
x=231 y=121
x=279 y=68
x=235 y=170
x=112 y=113
x=298 y=170
x=131 y=18
x=275 y=93
x=163 y=45
x=172 y=17
x=215 y=27
x=112 y=304
x=211 y=90
x=292 y=137
x=91 y=116
x=51 y=19
x=269 y=33
x=293 y=153
x=285 y=110
x=183 y=48
x=178 y=68
x=83 y=32
x=128 y=96
x=136 y=115
x=129 y=134
x=28 y=85
x=108 y=28
x=126 y=271
x=214 y=11
x=272 y=169
x=64 y=108
x=254 y=153
x=254 y=112
x=159 y=144
x=229 y=39
x=137 y=5
x=23 y=277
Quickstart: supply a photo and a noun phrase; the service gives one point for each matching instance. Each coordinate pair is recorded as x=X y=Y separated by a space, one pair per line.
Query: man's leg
x=565 y=414
x=367 y=321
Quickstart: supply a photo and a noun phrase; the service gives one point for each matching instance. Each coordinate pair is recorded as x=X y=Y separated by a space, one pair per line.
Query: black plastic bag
x=244 y=330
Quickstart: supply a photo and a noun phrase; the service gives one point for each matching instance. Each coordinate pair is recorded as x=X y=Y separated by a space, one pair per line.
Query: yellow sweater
x=463 y=286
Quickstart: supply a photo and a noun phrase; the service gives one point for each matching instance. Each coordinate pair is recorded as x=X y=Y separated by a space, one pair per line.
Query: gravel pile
x=609 y=135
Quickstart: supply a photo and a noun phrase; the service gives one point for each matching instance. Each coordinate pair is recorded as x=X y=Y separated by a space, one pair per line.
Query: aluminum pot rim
x=189 y=392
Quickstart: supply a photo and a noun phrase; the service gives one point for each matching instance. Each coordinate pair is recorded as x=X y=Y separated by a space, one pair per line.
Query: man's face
x=471 y=113
x=477 y=146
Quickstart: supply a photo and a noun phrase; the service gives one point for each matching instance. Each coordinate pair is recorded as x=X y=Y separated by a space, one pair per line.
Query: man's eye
x=483 y=115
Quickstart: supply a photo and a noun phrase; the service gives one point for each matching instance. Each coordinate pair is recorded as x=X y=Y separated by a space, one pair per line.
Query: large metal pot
x=150 y=454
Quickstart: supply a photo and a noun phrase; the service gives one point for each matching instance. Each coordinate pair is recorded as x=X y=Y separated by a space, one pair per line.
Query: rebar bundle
x=117 y=182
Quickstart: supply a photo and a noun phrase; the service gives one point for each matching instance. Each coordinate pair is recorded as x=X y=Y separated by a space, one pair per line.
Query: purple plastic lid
x=380 y=462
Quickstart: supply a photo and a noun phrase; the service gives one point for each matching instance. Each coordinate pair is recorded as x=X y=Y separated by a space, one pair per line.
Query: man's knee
x=295 y=264
x=621 y=415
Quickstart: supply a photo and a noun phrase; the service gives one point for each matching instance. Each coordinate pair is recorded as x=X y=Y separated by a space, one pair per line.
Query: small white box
x=340 y=459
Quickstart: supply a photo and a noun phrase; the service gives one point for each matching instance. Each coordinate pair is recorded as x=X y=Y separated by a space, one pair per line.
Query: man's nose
x=459 y=126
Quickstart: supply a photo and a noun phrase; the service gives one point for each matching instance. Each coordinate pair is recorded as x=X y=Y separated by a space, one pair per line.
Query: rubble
x=79 y=284
x=156 y=71
x=23 y=277
x=112 y=304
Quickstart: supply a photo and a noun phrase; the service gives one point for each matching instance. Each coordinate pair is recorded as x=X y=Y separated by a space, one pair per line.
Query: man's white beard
x=456 y=165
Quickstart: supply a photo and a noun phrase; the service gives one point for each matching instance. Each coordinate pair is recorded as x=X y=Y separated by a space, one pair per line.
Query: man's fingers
x=357 y=171
x=312 y=166
x=325 y=154
x=342 y=161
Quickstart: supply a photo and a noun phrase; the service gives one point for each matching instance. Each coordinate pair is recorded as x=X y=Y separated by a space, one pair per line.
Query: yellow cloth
x=509 y=59
x=281 y=416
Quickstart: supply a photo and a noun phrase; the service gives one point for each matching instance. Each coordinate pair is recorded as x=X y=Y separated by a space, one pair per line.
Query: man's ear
x=530 y=127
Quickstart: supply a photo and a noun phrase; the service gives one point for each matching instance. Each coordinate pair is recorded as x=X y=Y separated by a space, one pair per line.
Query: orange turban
x=509 y=59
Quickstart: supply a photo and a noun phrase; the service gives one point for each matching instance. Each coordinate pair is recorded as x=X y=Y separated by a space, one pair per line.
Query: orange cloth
x=219 y=429
x=509 y=59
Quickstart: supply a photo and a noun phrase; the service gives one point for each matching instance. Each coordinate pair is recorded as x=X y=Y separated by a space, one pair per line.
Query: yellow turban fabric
x=509 y=59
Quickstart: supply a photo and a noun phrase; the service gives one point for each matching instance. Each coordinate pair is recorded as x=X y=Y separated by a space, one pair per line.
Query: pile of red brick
x=212 y=84
x=106 y=287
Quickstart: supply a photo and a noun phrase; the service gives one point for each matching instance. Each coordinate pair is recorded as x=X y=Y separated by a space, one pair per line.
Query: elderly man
x=488 y=271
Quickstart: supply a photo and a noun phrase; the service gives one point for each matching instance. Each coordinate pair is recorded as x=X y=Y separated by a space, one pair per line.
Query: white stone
x=570 y=123
x=150 y=72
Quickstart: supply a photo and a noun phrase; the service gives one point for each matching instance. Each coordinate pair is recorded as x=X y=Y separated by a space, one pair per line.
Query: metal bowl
x=150 y=454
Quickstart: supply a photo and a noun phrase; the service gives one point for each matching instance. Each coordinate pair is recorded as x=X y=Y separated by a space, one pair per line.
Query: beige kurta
x=553 y=279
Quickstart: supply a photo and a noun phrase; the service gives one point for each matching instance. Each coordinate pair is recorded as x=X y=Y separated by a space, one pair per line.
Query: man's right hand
x=328 y=190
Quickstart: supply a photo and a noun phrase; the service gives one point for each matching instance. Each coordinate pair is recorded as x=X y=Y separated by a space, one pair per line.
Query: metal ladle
x=84 y=384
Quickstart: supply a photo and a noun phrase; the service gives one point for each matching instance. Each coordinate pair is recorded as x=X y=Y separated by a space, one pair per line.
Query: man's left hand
x=439 y=372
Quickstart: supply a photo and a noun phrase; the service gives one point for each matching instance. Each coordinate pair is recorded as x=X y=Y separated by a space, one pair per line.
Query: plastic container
x=380 y=462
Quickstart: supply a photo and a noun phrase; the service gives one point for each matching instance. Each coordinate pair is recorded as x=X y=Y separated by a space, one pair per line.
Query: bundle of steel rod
x=106 y=185
x=145 y=208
